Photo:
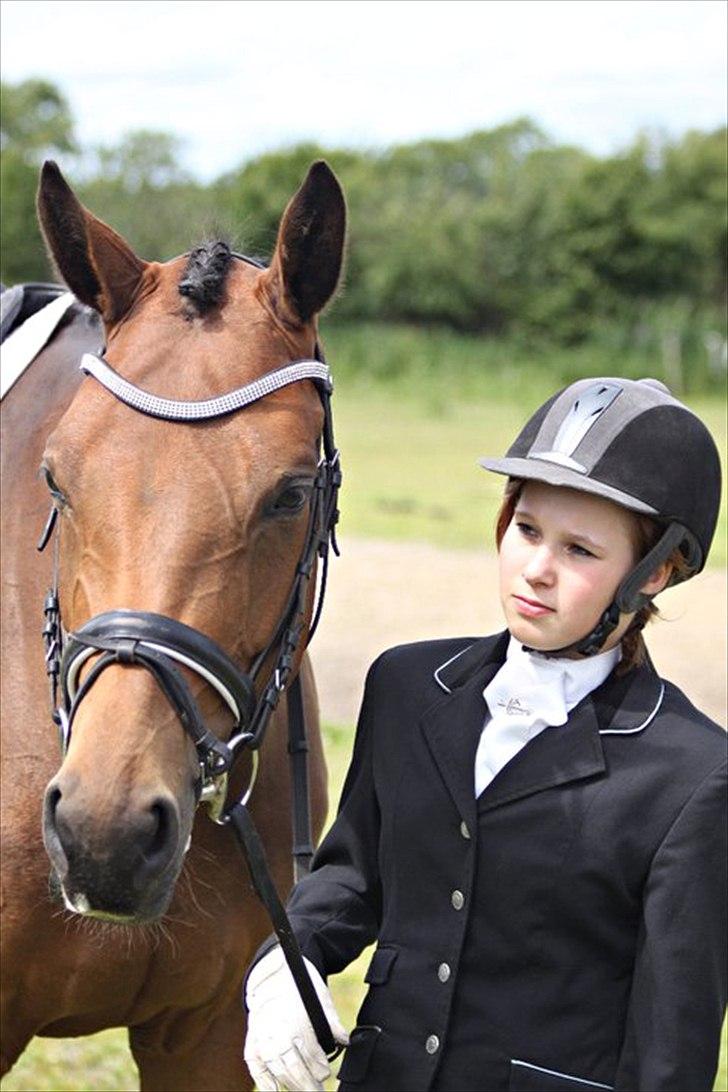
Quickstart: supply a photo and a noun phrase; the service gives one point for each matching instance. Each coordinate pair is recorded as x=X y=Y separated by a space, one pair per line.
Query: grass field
x=413 y=411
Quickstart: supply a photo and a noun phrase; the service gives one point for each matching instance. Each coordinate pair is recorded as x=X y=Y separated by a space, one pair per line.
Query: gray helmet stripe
x=585 y=411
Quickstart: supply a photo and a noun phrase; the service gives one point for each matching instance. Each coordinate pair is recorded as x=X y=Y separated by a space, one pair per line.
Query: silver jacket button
x=443 y=972
x=458 y=900
x=464 y=829
x=432 y=1044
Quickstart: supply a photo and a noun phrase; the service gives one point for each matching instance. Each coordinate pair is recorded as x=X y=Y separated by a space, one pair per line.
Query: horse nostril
x=163 y=834
x=52 y=834
x=52 y=798
x=159 y=836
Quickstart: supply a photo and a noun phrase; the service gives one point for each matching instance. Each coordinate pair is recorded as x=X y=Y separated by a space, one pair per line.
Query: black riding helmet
x=633 y=443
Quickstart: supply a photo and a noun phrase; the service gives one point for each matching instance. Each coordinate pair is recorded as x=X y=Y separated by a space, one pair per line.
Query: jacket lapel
x=568 y=752
x=452 y=726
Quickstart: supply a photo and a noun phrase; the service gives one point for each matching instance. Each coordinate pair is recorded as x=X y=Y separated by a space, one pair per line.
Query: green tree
x=139 y=186
x=35 y=121
x=686 y=215
x=502 y=230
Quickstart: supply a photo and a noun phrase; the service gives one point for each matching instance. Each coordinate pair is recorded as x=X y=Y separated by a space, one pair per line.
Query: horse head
x=198 y=523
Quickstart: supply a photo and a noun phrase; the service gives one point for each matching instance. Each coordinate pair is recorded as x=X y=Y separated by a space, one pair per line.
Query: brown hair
x=646 y=532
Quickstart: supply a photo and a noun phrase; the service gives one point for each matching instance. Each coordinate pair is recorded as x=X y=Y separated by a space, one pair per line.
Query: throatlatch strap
x=250 y=843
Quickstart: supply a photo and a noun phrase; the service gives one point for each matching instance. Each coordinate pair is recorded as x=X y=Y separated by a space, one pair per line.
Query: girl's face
x=561 y=560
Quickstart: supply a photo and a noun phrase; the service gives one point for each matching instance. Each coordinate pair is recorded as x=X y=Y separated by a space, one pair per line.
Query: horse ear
x=96 y=264
x=307 y=261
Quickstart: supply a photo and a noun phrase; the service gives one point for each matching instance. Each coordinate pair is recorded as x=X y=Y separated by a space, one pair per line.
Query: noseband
x=161 y=644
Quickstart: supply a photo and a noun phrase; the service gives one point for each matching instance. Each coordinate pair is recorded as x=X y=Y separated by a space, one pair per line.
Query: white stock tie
x=530 y=693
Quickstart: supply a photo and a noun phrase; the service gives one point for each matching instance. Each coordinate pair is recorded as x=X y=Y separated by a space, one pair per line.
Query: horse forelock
x=204 y=276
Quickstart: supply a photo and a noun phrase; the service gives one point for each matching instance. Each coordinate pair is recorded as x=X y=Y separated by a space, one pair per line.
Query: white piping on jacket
x=442 y=667
x=563 y=1076
x=631 y=731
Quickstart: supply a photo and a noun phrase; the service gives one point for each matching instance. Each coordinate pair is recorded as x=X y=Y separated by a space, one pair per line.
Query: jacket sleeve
x=678 y=996
x=335 y=911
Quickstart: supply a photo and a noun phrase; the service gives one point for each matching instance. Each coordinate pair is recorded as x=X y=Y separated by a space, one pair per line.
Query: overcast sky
x=236 y=77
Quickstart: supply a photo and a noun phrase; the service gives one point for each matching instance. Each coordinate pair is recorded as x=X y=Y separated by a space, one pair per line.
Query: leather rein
x=161 y=645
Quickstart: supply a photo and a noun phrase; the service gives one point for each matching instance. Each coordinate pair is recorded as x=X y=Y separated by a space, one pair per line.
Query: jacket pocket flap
x=381 y=965
x=362 y=1042
x=526 y=1077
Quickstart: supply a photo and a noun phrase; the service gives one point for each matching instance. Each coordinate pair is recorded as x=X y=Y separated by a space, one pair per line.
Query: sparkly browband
x=175 y=410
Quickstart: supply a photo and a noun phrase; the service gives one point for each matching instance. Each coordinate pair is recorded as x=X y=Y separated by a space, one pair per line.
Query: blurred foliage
x=35 y=119
x=140 y=188
x=500 y=232
x=35 y=122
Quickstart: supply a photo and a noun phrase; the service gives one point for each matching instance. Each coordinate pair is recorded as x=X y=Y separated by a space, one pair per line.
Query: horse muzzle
x=121 y=869
x=118 y=857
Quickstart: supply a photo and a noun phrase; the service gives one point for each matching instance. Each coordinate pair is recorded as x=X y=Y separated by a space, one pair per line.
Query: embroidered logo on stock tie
x=514 y=708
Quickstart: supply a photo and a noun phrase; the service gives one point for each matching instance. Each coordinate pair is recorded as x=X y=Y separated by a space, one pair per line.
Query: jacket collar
x=461 y=667
x=626 y=704
x=623 y=705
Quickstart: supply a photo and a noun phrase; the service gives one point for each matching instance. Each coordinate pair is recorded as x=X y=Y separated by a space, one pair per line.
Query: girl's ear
x=658 y=580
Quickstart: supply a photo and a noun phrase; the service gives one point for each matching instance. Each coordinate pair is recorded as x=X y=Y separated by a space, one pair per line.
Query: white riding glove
x=281 y=1048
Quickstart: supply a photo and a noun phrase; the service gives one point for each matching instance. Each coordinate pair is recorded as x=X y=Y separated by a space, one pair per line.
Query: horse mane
x=203 y=280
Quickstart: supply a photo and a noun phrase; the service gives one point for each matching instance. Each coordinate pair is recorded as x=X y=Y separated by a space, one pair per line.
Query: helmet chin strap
x=628 y=598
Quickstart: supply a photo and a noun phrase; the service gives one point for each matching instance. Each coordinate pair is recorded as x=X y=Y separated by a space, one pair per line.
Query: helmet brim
x=540 y=470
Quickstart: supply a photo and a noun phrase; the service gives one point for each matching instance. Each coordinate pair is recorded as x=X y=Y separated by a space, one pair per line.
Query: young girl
x=532 y=827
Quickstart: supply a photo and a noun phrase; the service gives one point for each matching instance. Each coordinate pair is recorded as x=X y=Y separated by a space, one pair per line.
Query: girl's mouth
x=531 y=608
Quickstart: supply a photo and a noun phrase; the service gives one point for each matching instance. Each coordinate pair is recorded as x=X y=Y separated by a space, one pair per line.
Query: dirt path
x=386 y=593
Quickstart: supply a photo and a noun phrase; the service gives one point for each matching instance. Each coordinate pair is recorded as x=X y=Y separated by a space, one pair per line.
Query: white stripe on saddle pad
x=24 y=344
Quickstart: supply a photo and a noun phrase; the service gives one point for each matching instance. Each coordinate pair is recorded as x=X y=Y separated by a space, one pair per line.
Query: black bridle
x=161 y=645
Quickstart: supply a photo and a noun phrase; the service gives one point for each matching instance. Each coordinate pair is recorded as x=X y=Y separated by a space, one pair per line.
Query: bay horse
x=202 y=522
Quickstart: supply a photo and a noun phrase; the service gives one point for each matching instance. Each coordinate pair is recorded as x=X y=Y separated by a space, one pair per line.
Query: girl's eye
x=526 y=529
x=580 y=551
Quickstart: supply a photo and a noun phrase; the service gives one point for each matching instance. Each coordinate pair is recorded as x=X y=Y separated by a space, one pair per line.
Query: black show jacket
x=567 y=929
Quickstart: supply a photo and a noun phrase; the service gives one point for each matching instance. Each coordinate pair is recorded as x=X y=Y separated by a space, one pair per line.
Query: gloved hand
x=281 y=1048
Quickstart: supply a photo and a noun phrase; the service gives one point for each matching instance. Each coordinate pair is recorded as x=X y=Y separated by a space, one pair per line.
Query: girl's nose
x=540 y=567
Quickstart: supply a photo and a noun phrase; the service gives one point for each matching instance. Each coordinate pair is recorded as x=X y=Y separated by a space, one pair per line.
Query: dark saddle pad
x=23 y=300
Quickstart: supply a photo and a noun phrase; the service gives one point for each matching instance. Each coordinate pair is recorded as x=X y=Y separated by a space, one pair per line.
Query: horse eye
x=291 y=500
x=53 y=488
